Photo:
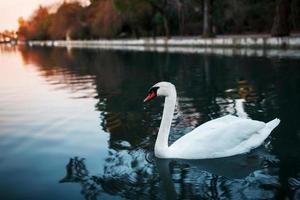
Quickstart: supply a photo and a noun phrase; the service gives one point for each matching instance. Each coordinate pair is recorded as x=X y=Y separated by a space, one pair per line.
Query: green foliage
x=243 y=16
x=93 y=1
x=158 y=19
x=136 y=16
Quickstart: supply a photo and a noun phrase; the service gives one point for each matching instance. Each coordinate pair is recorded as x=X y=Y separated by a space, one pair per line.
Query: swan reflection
x=294 y=184
x=136 y=174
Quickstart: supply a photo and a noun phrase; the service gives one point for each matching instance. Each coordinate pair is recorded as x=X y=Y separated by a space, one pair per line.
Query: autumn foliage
x=102 y=18
x=150 y=18
x=37 y=27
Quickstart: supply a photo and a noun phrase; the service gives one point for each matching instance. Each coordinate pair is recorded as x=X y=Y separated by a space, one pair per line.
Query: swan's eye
x=151 y=94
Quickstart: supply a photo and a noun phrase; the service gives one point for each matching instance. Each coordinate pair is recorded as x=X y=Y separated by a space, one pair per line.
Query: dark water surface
x=73 y=125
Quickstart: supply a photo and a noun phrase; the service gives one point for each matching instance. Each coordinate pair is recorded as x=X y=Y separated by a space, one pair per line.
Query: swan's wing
x=216 y=136
x=221 y=122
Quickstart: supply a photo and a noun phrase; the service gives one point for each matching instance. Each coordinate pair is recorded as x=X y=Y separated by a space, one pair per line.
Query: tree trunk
x=180 y=17
x=281 y=25
x=207 y=19
x=166 y=26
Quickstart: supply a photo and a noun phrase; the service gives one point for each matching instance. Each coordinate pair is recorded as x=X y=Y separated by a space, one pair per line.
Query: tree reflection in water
x=294 y=184
x=118 y=81
x=129 y=175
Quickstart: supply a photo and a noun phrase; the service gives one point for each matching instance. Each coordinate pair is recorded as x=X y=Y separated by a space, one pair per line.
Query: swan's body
x=222 y=137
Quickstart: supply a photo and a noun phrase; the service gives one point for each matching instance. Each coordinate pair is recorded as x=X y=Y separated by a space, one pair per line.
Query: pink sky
x=11 y=10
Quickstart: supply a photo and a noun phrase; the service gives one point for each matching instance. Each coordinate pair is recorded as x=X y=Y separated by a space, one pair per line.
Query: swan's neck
x=161 y=144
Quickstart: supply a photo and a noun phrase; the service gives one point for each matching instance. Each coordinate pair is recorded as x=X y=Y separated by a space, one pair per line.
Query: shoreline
x=249 y=46
x=249 y=41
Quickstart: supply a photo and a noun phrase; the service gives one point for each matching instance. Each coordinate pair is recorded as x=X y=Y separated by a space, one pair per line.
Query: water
x=73 y=125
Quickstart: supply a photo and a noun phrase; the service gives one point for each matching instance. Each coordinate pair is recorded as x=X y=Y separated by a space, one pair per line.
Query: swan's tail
x=272 y=124
x=258 y=139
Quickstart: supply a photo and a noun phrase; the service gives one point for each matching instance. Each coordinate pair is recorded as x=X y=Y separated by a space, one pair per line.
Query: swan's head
x=160 y=89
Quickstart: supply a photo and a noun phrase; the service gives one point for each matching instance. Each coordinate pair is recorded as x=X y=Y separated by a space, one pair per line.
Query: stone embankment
x=224 y=45
x=225 y=41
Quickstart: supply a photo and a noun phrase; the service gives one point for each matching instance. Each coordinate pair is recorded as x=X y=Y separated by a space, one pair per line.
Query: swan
x=222 y=137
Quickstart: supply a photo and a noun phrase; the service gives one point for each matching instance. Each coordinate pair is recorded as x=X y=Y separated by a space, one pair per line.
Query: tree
x=207 y=19
x=136 y=16
x=160 y=7
x=37 y=27
x=281 y=25
x=104 y=19
x=67 y=20
x=22 y=30
x=180 y=13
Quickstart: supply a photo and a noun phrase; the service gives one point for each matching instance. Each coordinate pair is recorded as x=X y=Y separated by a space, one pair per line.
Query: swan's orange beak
x=151 y=95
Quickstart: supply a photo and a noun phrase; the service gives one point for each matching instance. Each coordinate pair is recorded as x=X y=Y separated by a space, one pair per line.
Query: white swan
x=222 y=137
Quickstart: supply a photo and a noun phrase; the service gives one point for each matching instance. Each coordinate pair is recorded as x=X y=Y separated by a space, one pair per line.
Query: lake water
x=73 y=125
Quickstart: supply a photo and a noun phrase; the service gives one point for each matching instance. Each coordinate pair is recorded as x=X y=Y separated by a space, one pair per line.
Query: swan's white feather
x=225 y=136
